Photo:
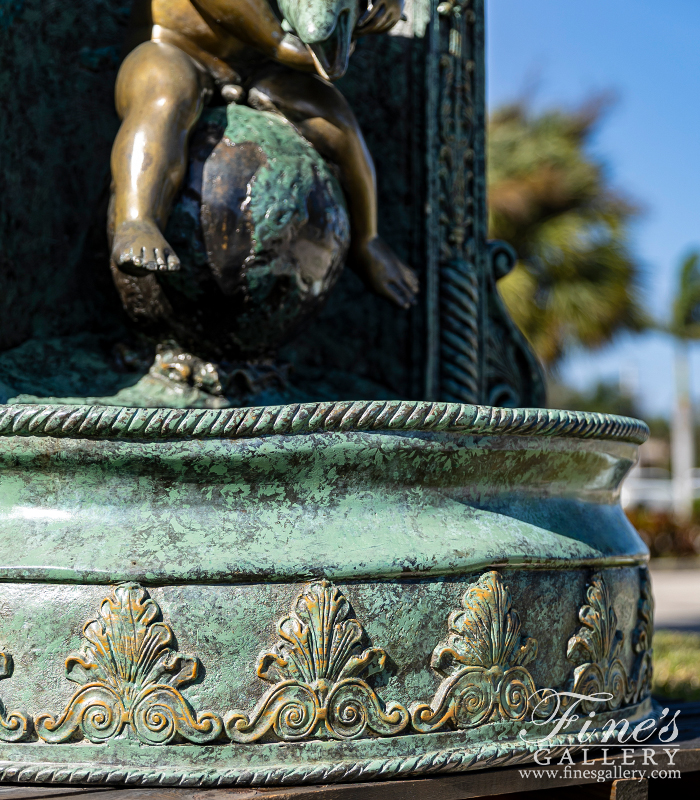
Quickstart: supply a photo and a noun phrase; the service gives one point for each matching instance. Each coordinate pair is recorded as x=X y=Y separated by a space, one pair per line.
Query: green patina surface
x=58 y=65
x=252 y=765
x=226 y=627
x=359 y=504
x=82 y=369
x=57 y=129
x=225 y=532
x=283 y=183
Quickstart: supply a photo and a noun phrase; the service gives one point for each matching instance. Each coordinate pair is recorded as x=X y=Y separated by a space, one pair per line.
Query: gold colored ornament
x=319 y=672
x=130 y=675
x=483 y=661
x=13 y=726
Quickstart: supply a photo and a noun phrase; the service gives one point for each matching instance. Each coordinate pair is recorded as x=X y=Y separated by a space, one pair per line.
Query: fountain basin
x=310 y=593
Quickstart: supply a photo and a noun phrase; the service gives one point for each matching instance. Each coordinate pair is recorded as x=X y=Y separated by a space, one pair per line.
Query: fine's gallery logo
x=637 y=743
x=555 y=714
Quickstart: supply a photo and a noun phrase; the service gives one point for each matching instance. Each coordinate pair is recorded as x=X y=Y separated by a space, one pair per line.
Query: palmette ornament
x=129 y=675
x=319 y=672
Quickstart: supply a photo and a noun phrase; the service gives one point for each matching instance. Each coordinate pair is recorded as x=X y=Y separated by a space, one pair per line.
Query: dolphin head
x=326 y=28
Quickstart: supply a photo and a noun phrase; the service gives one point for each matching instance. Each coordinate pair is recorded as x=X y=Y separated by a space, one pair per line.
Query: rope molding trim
x=152 y=424
x=436 y=762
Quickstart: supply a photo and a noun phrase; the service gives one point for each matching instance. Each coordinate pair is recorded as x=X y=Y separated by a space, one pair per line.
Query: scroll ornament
x=642 y=641
x=13 y=726
x=129 y=675
x=483 y=662
x=596 y=648
x=318 y=671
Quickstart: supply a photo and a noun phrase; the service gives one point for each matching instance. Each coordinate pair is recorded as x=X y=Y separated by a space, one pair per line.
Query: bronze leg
x=323 y=116
x=159 y=97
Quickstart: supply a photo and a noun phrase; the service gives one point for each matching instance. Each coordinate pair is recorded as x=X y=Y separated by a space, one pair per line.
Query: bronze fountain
x=198 y=589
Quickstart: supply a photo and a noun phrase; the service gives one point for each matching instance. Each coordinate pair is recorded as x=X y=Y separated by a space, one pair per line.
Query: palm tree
x=685 y=327
x=576 y=281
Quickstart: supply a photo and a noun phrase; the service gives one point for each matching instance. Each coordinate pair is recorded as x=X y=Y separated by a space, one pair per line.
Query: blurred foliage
x=577 y=282
x=660 y=428
x=663 y=535
x=676 y=665
x=606 y=397
x=685 y=322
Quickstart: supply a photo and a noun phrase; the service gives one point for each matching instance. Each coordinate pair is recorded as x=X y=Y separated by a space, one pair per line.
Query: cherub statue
x=192 y=48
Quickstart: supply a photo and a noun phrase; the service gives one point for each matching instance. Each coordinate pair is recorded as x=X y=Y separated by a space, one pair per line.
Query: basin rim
x=161 y=424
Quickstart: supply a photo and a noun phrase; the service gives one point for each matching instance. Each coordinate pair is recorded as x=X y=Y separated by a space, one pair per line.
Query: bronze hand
x=384 y=273
x=380 y=17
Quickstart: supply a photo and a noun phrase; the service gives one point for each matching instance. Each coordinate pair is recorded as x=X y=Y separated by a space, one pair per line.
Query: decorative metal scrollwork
x=596 y=648
x=483 y=662
x=454 y=190
x=13 y=726
x=513 y=375
x=318 y=673
x=476 y=354
x=642 y=669
x=129 y=675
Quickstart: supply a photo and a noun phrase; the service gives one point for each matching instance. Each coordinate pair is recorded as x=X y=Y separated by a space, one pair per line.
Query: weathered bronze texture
x=596 y=649
x=318 y=674
x=13 y=725
x=310 y=558
x=642 y=640
x=129 y=675
x=267 y=266
x=417 y=95
x=192 y=49
x=483 y=662
x=475 y=354
x=270 y=219
x=360 y=589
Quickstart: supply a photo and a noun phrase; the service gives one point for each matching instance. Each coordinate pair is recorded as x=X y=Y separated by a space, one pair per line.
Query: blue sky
x=648 y=53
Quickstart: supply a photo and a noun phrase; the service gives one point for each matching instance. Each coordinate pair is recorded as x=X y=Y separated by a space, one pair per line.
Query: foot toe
x=160 y=257
x=407 y=295
x=140 y=249
x=138 y=259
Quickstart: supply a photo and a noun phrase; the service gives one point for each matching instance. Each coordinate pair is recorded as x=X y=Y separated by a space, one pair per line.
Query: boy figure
x=164 y=83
